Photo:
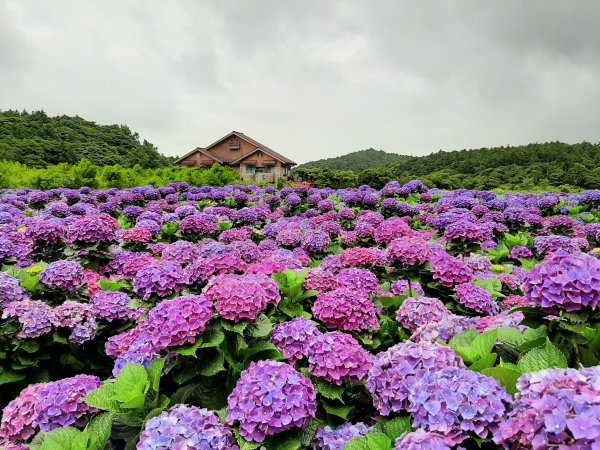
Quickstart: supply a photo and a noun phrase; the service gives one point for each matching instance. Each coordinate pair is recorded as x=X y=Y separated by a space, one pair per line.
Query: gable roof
x=248 y=139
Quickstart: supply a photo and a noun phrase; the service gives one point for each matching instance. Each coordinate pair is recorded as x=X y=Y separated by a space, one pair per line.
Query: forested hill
x=37 y=140
x=357 y=161
x=547 y=164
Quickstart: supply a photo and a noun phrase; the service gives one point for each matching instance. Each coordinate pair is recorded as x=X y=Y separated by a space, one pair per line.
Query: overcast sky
x=311 y=79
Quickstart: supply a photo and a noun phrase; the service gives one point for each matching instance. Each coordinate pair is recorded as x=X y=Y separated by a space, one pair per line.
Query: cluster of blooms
x=183 y=426
x=554 y=408
x=161 y=280
x=394 y=373
x=93 y=229
x=338 y=357
x=239 y=297
x=408 y=251
x=346 y=309
x=11 y=290
x=411 y=288
x=450 y=271
x=47 y=406
x=418 y=311
x=63 y=275
x=112 y=306
x=271 y=397
x=421 y=440
x=330 y=439
x=293 y=338
x=35 y=317
x=570 y=282
x=476 y=298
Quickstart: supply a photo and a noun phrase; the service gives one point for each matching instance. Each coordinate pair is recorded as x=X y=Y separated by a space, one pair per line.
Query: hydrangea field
x=246 y=318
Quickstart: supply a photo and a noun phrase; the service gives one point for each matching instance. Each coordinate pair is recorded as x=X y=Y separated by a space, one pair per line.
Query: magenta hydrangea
x=195 y=224
x=293 y=338
x=186 y=427
x=63 y=276
x=476 y=298
x=514 y=301
x=450 y=271
x=423 y=440
x=444 y=330
x=239 y=297
x=18 y=417
x=458 y=400
x=554 y=408
x=408 y=251
x=346 y=309
x=271 y=397
x=93 y=229
x=396 y=371
x=79 y=318
x=161 y=280
x=569 y=282
x=358 y=279
x=337 y=357
x=336 y=439
x=362 y=256
x=418 y=311
x=411 y=288
x=111 y=306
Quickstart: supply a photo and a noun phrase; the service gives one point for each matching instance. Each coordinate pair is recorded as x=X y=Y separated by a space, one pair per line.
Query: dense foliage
x=245 y=317
x=87 y=174
x=37 y=140
x=357 y=161
x=548 y=166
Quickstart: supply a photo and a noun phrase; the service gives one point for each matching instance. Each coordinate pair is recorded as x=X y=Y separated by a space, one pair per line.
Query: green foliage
x=94 y=437
x=357 y=161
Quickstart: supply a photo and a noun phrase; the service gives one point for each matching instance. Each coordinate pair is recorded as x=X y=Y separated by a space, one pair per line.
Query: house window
x=268 y=169
x=259 y=170
x=249 y=169
x=234 y=145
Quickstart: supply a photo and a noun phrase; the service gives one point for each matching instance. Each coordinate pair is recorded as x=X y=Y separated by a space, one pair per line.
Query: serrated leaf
x=102 y=398
x=472 y=346
x=107 y=285
x=64 y=439
x=234 y=327
x=213 y=365
x=131 y=386
x=396 y=427
x=100 y=427
x=483 y=363
x=10 y=377
x=154 y=372
x=262 y=327
x=330 y=391
x=190 y=350
x=212 y=338
x=372 y=441
x=507 y=377
x=546 y=357
x=341 y=411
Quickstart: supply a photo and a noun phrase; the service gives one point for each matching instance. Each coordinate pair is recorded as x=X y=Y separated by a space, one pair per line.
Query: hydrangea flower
x=444 y=330
x=315 y=241
x=401 y=287
x=458 y=400
x=476 y=298
x=196 y=224
x=396 y=371
x=271 y=397
x=111 y=306
x=337 y=357
x=293 y=338
x=363 y=256
x=554 y=408
x=11 y=290
x=408 y=251
x=569 y=282
x=18 y=417
x=520 y=252
x=161 y=280
x=239 y=297
x=450 y=271
x=336 y=439
x=93 y=229
x=186 y=427
x=80 y=318
x=423 y=440
x=514 y=301
x=359 y=279
x=346 y=309
x=63 y=276
x=418 y=311
x=36 y=317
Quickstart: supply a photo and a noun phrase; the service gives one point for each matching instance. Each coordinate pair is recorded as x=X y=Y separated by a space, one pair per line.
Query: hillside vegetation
x=38 y=140
x=551 y=165
x=357 y=161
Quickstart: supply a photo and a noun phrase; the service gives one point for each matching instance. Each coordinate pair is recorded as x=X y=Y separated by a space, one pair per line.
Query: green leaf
x=472 y=346
x=131 y=386
x=396 y=427
x=107 y=285
x=483 y=363
x=212 y=338
x=540 y=358
x=102 y=398
x=507 y=377
x=337 y=410
x=234 y=327
x=214 y=365
x=372 y=441
x=64 y=439
x=190 y=350
x=10 y=377
x=260 y=347
x=31 y=282
x=330 y=391
x=100 y=427
x=262 y=327
x=243 y=443
x=155 y=372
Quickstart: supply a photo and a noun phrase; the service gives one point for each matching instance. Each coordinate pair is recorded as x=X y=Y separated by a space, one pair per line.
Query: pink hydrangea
x=346 y=309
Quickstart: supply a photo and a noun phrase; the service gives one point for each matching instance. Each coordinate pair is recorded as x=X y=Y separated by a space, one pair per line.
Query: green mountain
x=357 y=161
x=37 y=140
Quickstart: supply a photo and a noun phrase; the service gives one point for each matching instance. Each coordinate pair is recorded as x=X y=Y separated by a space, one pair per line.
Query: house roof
x=241 y=135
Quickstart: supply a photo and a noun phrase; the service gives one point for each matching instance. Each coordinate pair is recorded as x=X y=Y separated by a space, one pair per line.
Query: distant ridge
x=357 y=161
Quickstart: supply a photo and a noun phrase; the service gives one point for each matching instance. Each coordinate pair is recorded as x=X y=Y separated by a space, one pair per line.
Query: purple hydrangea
x=362 y=280
x=161 y=280
x=395 y=372
x=476 y=298
x=36 y=317
x=63 y=276
x=239 y=297
x=554 y=408
x=362 y=256
x=45 y=232
x=418 y=311
x=93 y=229
x=315 y=241
x=514 y=301
x=450 y=271
x=569 y=282
x=186 y=427
x=545 y=245
x=79 y=318
x=111 y=306
x=346 y=309
x=330 y=439
x=271 y=397
x=408 y=251
x=402 y=287
x=444 y=330
x=520 y=252
x=293 y=338
x=423 y=440
x=11 y=290
x=197 y=224
x=337 y=357
x=458 y=400
x=18 y=417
